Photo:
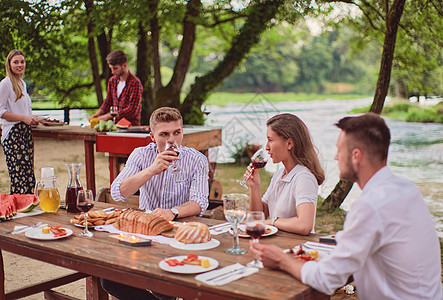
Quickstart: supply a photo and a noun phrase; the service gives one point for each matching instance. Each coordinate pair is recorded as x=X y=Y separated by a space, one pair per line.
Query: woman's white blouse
x=22 y=106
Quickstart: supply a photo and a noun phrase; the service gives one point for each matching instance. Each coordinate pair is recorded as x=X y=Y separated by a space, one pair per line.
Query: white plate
x=37 y=234
x=243 y=227
x=53 y=123
x=202 y=246
x=188 y=269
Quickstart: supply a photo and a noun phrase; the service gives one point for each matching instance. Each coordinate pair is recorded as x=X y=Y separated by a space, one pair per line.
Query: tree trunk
x=144 y=73
x=104 y=46
x=336 y=197
x=261 y=13
x=392 y=19
x=93 y=54
x=170 y=94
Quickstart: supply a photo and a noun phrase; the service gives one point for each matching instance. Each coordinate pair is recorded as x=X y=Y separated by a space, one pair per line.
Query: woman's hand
x=30 y=120
x=254 y=177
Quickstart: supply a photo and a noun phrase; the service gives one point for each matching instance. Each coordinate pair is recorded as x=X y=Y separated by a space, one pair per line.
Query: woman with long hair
x=291 y=198
x=16 y=119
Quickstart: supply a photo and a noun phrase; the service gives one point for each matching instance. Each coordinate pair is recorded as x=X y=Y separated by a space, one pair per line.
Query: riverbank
x=401 y=109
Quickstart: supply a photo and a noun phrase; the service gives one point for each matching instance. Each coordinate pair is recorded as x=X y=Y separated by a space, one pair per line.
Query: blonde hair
x=164 y=115
x=289 y=126
x=14 y=80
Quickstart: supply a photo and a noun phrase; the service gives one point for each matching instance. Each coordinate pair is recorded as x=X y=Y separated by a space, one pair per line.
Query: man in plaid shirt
x=124 y=92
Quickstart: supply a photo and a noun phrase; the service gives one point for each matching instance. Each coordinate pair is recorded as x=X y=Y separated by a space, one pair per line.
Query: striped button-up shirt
x=167 y=190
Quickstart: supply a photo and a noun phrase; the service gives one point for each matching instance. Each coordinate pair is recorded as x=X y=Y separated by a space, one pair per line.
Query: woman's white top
x=285 y=194
x=22 y=106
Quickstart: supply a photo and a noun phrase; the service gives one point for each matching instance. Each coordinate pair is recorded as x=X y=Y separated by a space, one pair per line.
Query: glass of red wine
x=113 y=110
x=255 y=227
x=259 y=160
x=85 y=202
x=173 y=146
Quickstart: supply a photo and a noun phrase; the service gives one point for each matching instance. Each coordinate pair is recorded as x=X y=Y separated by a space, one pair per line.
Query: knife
x=239 y=268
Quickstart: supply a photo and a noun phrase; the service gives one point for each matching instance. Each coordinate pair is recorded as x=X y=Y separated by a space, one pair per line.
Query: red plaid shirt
x=130 y=101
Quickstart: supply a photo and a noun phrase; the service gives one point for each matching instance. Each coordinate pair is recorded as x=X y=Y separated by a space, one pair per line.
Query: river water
x=416 y=150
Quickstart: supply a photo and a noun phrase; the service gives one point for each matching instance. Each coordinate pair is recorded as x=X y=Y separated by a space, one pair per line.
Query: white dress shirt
x=285 y=194
x=22 y=106
x=167 y=190
x=388 y=242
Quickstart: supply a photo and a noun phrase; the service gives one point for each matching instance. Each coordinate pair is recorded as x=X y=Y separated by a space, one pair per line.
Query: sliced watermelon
x=123 y=123
x=7 y=206
x=26 y=202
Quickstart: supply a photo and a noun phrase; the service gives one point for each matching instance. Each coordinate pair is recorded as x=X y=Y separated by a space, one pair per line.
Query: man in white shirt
x=388 y=242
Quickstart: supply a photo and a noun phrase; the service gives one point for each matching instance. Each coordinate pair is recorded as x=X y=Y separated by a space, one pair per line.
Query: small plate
x=37 y=234
x=242 y=227
x=53 y=123
x=188 y=269
x=202 y=246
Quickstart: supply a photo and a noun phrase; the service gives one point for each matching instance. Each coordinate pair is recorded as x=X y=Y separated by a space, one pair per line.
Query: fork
x=24 y=228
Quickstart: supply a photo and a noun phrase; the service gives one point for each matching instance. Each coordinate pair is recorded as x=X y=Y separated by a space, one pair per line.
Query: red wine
x=71 y=199
x=259 y=164
x=85 y=206
x=256 y=231
x=171 y=147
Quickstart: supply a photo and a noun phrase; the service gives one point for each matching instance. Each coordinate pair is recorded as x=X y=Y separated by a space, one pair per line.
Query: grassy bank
x=221 y=99
x=409 y=112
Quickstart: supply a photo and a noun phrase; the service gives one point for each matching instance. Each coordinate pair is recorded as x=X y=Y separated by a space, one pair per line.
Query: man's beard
x=349 y=173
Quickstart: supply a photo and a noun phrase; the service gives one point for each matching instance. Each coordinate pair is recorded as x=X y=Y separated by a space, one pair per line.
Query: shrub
x=244 y=151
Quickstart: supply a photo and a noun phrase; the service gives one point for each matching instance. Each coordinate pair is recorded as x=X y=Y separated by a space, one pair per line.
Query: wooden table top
x=102 y=256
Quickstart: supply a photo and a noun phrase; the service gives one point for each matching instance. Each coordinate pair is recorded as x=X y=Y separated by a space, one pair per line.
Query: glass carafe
x=74 y=185
x=47 y=192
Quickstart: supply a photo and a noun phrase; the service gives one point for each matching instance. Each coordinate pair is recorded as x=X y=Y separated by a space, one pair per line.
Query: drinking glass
x=259 y=160
x=234 y=207
x=255 y=227
x=113 y=110
x=173 y=146
x=85 y=202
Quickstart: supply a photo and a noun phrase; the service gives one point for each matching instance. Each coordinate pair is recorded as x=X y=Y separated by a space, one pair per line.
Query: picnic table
x=102 y=256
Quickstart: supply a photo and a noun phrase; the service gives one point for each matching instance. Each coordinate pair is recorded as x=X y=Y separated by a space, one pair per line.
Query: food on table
x=97 y=217
x=137 y=221
x=205 y=263
x=104 y=126
x=190 y=259
x=11 y=204
x=58 y=230
x=46 y=229
x=193 y=233
x=243 y=232
x=46 y=121
x=94 y=121
x=301 y=254
x=123 y=123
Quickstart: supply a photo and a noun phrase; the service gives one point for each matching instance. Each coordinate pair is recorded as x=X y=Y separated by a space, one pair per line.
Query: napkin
x=28 y=214
x=226 y=274
x=219 y=228
x=158 y=238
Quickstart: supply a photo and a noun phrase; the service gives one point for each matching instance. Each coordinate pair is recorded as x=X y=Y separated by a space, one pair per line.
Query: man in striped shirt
x=168 y=194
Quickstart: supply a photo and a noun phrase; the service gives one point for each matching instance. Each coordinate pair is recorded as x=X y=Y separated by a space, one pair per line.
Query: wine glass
x=113 y=110
x=255 y=227
x=259 y=160
x=173 y=146
x=85 y=202
x=234 y=207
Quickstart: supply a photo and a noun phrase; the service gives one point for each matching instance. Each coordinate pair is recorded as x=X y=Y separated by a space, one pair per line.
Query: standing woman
x=16 y=119
x=291 y=198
